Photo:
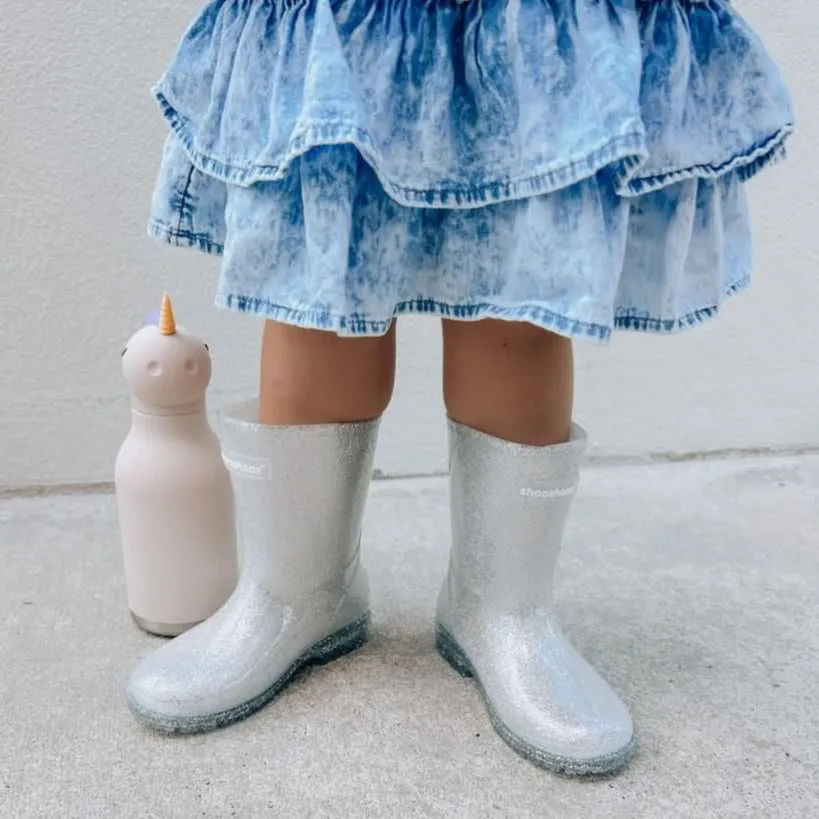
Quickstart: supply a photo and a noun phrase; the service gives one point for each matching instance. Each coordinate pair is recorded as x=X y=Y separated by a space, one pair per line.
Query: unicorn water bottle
x=174 y=496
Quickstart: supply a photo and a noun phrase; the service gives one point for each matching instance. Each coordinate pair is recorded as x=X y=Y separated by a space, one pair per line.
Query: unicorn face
x=165 y=367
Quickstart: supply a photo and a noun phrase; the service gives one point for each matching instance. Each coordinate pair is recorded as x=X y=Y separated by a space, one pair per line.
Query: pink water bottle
x=174 y=496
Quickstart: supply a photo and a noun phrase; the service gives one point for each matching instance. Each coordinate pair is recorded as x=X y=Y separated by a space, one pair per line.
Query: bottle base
x=162 y=629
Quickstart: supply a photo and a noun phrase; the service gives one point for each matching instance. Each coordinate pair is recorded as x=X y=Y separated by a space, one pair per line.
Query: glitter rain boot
x=303 y=595
x=495 y=620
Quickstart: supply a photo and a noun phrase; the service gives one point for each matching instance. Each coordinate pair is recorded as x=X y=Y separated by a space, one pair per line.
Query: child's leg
x=511 y=380
x=515 y=457
x=312 y=377
x=302 y=458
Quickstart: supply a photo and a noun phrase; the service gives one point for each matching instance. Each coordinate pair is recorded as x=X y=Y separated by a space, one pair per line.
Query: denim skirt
x=575 y=164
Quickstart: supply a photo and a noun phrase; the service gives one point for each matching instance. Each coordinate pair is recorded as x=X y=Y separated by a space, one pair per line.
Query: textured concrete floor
x=692 y=586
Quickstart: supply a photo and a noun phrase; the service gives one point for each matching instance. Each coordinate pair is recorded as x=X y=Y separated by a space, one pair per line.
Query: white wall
x=79 y=146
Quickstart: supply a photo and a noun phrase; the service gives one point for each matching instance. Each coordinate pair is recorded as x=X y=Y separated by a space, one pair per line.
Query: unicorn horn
x=167 y=323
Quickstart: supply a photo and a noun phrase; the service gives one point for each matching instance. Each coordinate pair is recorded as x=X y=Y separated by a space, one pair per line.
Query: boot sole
x=331 y=648
x=606 y=765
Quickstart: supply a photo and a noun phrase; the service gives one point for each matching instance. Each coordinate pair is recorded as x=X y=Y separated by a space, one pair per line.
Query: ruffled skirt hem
x=619 y=156
x=624 y=318
x=364 y=326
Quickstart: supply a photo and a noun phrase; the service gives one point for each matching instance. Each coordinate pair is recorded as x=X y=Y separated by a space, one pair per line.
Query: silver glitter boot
x=302 y=597
x=495 y=620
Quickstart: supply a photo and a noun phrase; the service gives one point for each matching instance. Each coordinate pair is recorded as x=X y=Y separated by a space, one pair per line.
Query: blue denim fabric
x=574 y=163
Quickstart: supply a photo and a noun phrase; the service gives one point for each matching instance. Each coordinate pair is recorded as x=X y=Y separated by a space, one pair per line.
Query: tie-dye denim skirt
x=576 y=164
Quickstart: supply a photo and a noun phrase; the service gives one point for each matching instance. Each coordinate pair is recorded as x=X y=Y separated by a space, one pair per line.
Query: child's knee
x=311 y=376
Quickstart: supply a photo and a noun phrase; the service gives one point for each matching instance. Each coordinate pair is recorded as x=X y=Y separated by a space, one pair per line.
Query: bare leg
x=313 y=377
x=510 y=380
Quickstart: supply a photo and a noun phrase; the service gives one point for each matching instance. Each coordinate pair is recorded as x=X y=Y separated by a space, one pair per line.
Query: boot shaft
x=300 y=493
x=509 y=508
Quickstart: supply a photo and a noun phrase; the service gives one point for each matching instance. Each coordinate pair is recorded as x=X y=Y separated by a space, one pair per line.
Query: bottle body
x=177 y=524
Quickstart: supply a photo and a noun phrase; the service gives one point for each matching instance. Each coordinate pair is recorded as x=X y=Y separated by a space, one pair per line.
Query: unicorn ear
x=167 y=323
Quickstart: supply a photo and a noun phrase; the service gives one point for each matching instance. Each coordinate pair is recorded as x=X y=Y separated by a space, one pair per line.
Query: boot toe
x=583 y=746
x=163 y=691
x=194 y=682
x=600 y=746
x=570 y=748
x=554 y=708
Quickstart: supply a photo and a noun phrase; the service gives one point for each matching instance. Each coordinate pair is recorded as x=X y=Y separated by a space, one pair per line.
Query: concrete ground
x=692 y=586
